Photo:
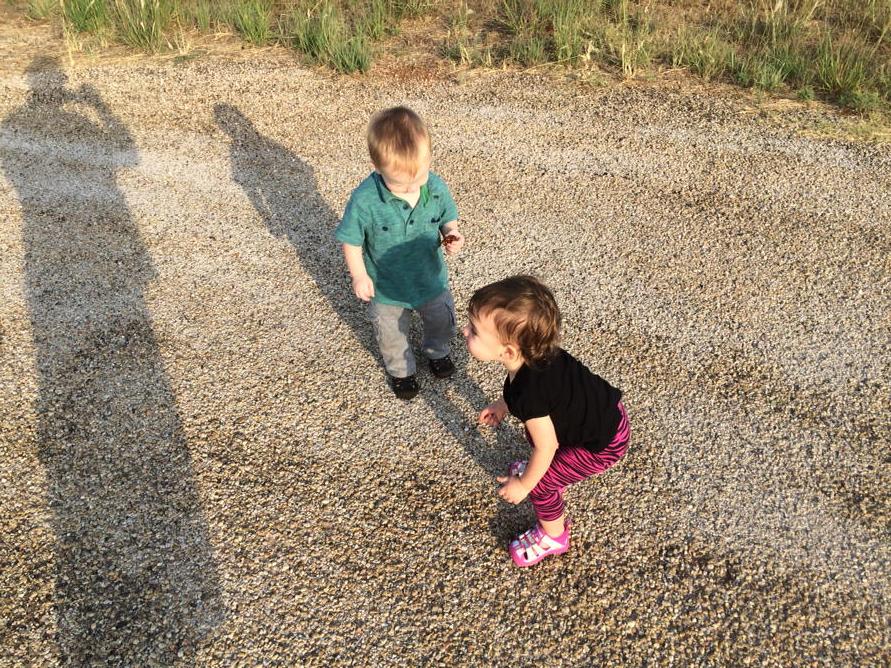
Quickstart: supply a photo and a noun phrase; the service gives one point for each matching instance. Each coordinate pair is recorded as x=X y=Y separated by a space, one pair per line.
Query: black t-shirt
x=582 y=406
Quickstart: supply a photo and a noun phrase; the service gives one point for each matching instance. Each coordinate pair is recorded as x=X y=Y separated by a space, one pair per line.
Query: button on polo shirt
x=401 y=243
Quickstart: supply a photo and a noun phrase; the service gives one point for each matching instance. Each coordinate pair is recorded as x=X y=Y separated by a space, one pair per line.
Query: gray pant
x=392 y=324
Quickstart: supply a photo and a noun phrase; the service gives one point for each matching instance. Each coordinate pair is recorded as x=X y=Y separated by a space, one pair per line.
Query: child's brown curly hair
x=525 y=314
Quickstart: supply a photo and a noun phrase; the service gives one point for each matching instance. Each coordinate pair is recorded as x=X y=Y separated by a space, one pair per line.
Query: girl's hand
x=453 y=241
x=363 y=286
x=512 y=489
x=493 y=414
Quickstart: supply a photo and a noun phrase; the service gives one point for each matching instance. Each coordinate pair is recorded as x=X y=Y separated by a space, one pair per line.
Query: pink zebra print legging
x=572 y=464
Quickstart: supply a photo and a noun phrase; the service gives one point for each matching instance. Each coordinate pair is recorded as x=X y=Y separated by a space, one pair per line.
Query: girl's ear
x=511 y=352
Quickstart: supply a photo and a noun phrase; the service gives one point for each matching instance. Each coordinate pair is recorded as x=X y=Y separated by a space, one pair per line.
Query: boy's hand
x=493 y=414
x=453 y=241
x=512 y=489
x=363 y=286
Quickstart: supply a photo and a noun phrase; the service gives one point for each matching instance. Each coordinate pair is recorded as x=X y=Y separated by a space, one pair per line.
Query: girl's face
x=482 y=339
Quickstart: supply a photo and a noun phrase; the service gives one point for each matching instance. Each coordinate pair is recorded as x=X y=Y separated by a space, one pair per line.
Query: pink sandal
x=516 y=468
x=533 y=545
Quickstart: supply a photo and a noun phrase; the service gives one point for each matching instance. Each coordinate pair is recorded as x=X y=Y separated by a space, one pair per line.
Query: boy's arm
x=362 y=283
x=515 y=489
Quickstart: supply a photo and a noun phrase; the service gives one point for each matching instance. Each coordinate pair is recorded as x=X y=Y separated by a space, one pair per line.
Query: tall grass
x=42 y=9
x=142 y=23
x=204 y=15
x=568 y=21
x=839 y=50
x=252 y=20
x=325 y=37
x=706 y=54
x=86 y=16
x=464 y=44
x=377 y=21
x=842 y=72
x=410 y=8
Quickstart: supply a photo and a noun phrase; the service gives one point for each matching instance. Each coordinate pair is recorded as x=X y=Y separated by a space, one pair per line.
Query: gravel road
x=201 y=464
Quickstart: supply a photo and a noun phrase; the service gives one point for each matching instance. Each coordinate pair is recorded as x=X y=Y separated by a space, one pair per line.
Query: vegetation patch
x=835 y=50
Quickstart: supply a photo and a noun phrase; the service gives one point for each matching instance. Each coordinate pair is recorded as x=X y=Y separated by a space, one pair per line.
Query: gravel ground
x=200 y=462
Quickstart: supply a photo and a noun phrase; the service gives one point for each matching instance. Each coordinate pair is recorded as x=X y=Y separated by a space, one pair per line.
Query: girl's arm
x=545 y=439
x=494 y=414
x=515 y=489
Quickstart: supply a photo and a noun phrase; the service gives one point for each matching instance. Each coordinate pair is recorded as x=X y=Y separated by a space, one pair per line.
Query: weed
x=142 y=23
x=708 y=56
x=410 y=8
x=42 y=9
x=251 y=19
x=351 y=55
x=199 y=13
x=568 y=21
x=521 y=18
x=377 y=21
x=85 y=16
x=841 y=69
x=528 y=50
x=321 y=33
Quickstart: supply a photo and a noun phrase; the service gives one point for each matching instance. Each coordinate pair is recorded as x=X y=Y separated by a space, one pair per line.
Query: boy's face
x=401 y=182
x=482 y=338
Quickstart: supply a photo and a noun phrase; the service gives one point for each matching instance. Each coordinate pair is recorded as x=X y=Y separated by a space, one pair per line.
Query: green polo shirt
x=400 y=244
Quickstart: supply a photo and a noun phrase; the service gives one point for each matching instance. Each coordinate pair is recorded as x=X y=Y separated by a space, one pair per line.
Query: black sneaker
x=405 y=388
x=443 y=367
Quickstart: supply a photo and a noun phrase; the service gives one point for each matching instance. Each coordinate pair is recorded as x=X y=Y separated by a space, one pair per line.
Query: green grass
x=42 y=9
x=85 y=16
x=199 y=14
x=252 y=19
x=402 y=9
x=705 y=54
x=841 y=69
x=142 y=23
x=835 y=50
x=326 y=37
x=377 y=21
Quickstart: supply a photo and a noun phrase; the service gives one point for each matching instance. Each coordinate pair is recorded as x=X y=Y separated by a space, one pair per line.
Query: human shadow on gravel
x=282 y=188
x=136 y=581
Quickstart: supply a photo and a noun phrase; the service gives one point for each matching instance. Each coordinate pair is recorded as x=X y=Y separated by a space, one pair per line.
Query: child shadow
x=135 y=580
x=282 y=188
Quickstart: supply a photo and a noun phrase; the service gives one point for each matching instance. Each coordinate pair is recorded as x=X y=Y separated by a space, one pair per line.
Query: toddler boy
x=393 y=230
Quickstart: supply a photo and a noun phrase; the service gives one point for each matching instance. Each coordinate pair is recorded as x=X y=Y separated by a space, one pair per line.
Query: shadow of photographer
x=136 y=581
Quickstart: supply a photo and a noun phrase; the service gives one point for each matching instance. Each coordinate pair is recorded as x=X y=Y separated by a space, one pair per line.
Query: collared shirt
x=400 y=244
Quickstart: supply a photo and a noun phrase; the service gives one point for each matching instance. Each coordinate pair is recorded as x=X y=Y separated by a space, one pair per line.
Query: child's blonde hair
x=524 y=313
x=397 y=139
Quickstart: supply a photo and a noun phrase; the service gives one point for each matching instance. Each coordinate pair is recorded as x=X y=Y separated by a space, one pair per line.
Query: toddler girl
x=574 y=419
